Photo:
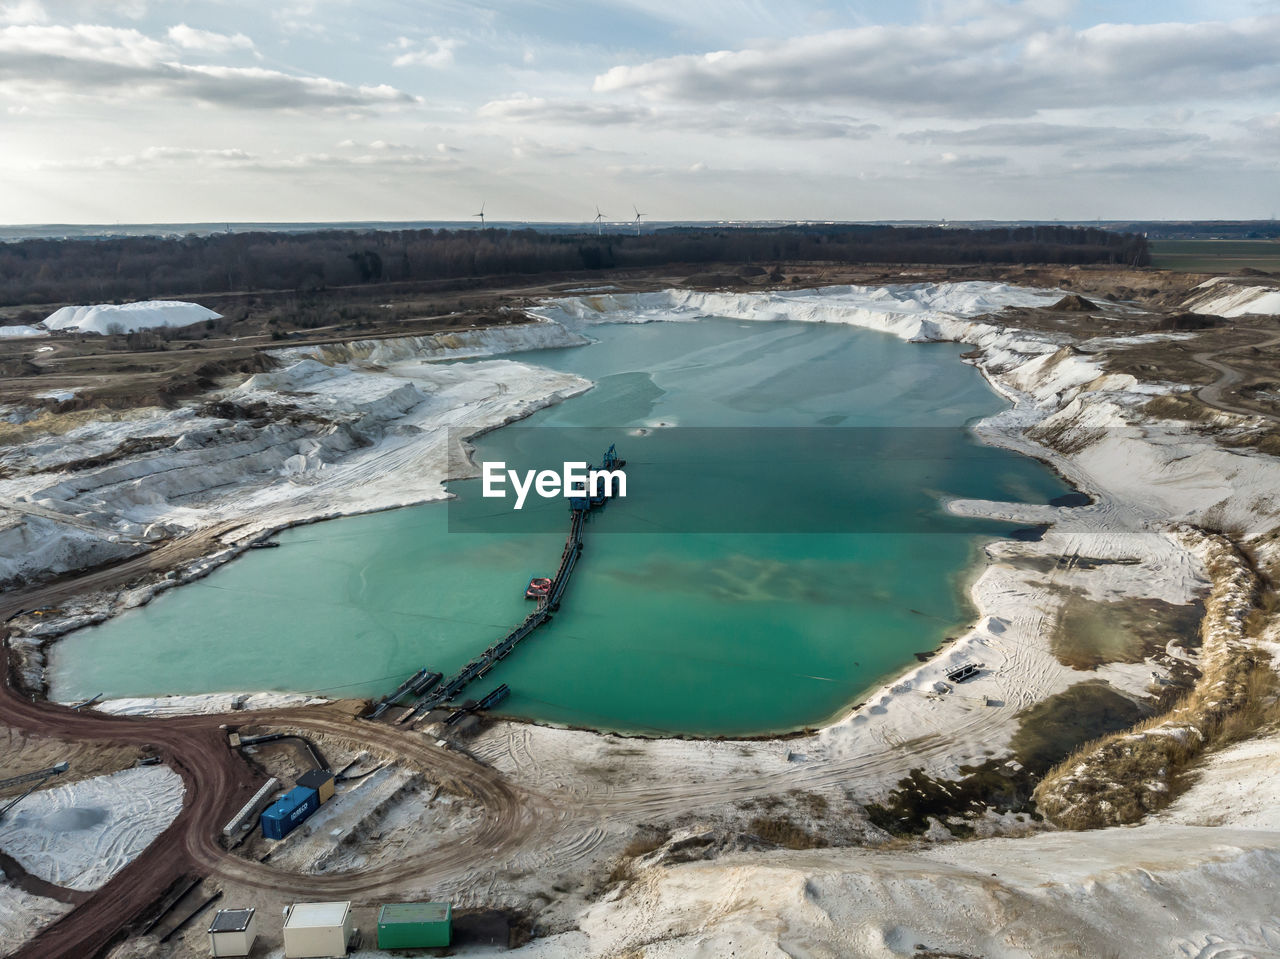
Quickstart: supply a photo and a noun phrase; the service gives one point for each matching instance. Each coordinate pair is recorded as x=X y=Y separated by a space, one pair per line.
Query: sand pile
x=128 y=317
x=1074 y=303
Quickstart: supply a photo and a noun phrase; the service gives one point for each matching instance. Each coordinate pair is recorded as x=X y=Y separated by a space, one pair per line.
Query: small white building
x=233 y=932
x=317 y=930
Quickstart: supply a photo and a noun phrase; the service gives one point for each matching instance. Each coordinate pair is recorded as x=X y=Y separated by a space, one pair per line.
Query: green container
x=415 y=925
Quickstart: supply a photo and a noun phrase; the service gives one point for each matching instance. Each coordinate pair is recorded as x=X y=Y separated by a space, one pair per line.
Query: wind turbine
x=599 y=217
x=481 y=214
x=638 y=215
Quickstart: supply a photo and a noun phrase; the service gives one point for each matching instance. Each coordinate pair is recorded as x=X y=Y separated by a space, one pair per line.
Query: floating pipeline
x=579 y=508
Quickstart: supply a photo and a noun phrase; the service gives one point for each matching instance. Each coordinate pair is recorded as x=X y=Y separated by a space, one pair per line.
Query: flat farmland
x=1215 y=256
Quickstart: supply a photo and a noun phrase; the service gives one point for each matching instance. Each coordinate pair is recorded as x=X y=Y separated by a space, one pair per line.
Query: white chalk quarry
x=128 y=317
x=1105 y=893
x=1231 y=297
x=915 y=312
x=460 y=345
x=1171 y=887
x=369 y=428
x=1126 y=893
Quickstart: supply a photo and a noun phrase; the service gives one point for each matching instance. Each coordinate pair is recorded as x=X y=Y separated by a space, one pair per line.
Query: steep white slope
x=1226 y=296
x=915 y=311
x=464 y=344
x=1124 y=893
x=321 y=441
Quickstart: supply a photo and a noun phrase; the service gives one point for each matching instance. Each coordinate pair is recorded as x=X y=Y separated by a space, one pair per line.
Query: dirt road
x=217 y=783
x=166 y=556
x=1228 y=379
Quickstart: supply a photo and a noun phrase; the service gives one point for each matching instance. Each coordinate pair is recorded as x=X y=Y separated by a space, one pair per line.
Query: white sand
x=916 y=312
x=362 y=435
x=15 y=332
x=1145 y=479
x=1231 y=297
x=463 y=344
x=1139 y=893
x=23 y=915
x=128 y=317
x=81 y=834
x=1171 y=887
x=1052 y=895
x=205 y=704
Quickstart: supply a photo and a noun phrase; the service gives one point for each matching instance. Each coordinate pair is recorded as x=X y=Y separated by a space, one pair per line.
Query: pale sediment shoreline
x=1152 y=484
x=1014 y=607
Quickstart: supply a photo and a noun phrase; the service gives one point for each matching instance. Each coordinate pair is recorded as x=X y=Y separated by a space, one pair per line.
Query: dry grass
x=47 y=422
x=814 y=804
x=642 y=845
x=1120 y=778
x=1266 y=611
x=1066 y=437
x=1268 y=442
x=1177 y=406
x=782 y=831
x=1264 y=440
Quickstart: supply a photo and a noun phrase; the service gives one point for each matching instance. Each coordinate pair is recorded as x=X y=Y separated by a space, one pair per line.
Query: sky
x=318 y=110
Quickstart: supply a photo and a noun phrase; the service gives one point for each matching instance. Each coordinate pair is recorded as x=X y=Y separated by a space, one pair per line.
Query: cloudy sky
x=140 y=110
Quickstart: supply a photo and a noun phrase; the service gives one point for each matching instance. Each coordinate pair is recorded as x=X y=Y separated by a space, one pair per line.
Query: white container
x=317 y=930
x=233 y=932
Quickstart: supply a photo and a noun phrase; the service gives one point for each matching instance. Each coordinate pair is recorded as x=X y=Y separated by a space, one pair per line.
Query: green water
x=740 y=628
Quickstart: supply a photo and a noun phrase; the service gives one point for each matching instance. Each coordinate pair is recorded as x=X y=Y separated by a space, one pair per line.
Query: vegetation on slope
x=1120 y=778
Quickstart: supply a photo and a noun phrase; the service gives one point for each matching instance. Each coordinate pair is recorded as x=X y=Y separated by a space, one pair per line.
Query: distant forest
x=1203 y=229
x=131 y=268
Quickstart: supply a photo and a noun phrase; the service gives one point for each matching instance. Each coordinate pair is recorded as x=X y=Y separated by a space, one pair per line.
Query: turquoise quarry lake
x=758 y=578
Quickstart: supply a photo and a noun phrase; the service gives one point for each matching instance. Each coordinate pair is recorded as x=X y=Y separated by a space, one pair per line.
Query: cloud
x=1070 y=138
x=299 y=19
x=991 y=66
x=377 y=159
x=956 y=162
x=569 y=112
x=90 y=61
x=155 y=157
x=1025 y=11
x=379 y=145
x=161 y=158
x=759 y=121
x=525 y=149
x=437 y=53
x=1266 y=126
x=206 y=41
x=22 y=12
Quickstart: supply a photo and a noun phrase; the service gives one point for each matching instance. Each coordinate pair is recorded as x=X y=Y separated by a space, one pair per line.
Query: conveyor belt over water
x=446 y=691
x=419 y=683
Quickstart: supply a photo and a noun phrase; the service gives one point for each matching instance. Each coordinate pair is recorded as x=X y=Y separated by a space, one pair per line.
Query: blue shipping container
x=289 y=811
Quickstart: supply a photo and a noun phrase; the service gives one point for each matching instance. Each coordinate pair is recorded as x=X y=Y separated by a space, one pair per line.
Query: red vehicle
x=539 y=587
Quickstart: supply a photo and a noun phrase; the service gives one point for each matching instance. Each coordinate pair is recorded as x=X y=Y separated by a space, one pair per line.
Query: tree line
x=40 y=271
